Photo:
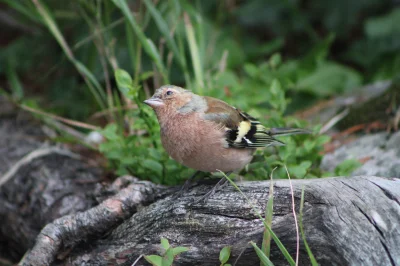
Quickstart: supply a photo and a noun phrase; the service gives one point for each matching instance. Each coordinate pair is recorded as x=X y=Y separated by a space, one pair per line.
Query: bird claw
x=221 y=183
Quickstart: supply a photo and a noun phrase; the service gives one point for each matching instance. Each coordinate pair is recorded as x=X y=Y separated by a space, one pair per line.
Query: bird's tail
x=287 y=131
x=266 y=136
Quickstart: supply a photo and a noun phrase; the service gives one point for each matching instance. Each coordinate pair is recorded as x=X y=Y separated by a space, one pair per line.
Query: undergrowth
x=97 y=46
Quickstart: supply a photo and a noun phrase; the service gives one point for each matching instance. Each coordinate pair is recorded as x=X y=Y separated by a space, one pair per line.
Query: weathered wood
x=38 y=183
x=347 y=221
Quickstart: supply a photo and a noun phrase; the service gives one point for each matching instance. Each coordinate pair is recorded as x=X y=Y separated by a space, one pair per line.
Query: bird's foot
x=186 y=186
x=221 y=183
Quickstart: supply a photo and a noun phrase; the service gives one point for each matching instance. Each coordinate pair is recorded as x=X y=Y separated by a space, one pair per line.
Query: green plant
x=268 y=213
x=168 y=256
x=281 y=247
x=181 y=42
x=303 y=236
x=265 y=261
x=346 y=167
x=224 y=255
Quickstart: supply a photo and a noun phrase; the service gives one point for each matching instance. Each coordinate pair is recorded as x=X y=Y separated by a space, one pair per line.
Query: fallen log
x=347 y=221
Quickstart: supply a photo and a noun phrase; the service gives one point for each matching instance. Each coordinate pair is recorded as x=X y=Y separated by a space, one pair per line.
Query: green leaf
x=165 y=243
x=251 y=70
x=224 y=254
x=275 y=60
x=321 y=140
x=153 y=165
x=179 y=250
x=346 y=167
x=300 y=170
x=124 y=82
x=227 y=78
x=383 y=26
x=329 y=79
x=168 y=257
x=126 y=160
x=309 y=145
x=275 y=87
x=263 y=258
x=110 y=132
x=154 y=260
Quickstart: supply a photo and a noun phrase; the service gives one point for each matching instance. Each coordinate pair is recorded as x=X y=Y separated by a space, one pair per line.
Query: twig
x=32 y=156
x=62 y=119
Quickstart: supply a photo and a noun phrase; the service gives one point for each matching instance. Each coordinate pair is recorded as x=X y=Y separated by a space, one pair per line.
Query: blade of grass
x=98 y=41
x=91 y=82
x=165 y=31
x=194 y=52
x=120 y=116
x=273 y=235
x=102 y=30
x=147 y=44
x=91 y=79
x=199 y=30
x=177 y=9
x=15 y=84
x=309 y=252
x=269 y=210
x=135 y=54
x=264 y=260
x=295 y=218
x=23 y=9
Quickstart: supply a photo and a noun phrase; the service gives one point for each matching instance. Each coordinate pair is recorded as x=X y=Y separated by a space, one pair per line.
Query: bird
x=207 y=134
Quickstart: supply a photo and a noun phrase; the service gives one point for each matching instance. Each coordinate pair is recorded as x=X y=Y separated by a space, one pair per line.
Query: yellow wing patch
x=243 y=129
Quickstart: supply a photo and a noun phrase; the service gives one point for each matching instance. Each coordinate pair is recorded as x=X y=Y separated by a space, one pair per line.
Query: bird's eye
x=169 y=93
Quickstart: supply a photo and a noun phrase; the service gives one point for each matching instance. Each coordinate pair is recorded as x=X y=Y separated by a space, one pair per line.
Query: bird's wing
x=242 y=130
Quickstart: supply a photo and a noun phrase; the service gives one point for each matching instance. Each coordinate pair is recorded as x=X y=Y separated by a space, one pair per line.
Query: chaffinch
x=208 y=134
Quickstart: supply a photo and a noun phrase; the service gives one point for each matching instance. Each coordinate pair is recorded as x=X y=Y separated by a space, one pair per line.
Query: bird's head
x=168 y=98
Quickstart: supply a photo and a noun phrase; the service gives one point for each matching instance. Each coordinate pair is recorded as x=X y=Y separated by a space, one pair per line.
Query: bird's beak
x=154 y=102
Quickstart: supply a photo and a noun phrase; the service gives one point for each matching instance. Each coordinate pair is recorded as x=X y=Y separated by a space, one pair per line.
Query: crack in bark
x=385 y=247
x=340 y=217
x=370 y=220
x=387 y=193
x=347 y=185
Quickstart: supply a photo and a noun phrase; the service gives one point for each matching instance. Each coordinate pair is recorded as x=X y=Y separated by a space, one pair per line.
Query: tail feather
x=256 y=135
x=287 y=131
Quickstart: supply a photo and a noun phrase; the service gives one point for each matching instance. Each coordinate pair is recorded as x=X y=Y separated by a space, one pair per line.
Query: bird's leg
x=219 y=185
x=187 y=184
